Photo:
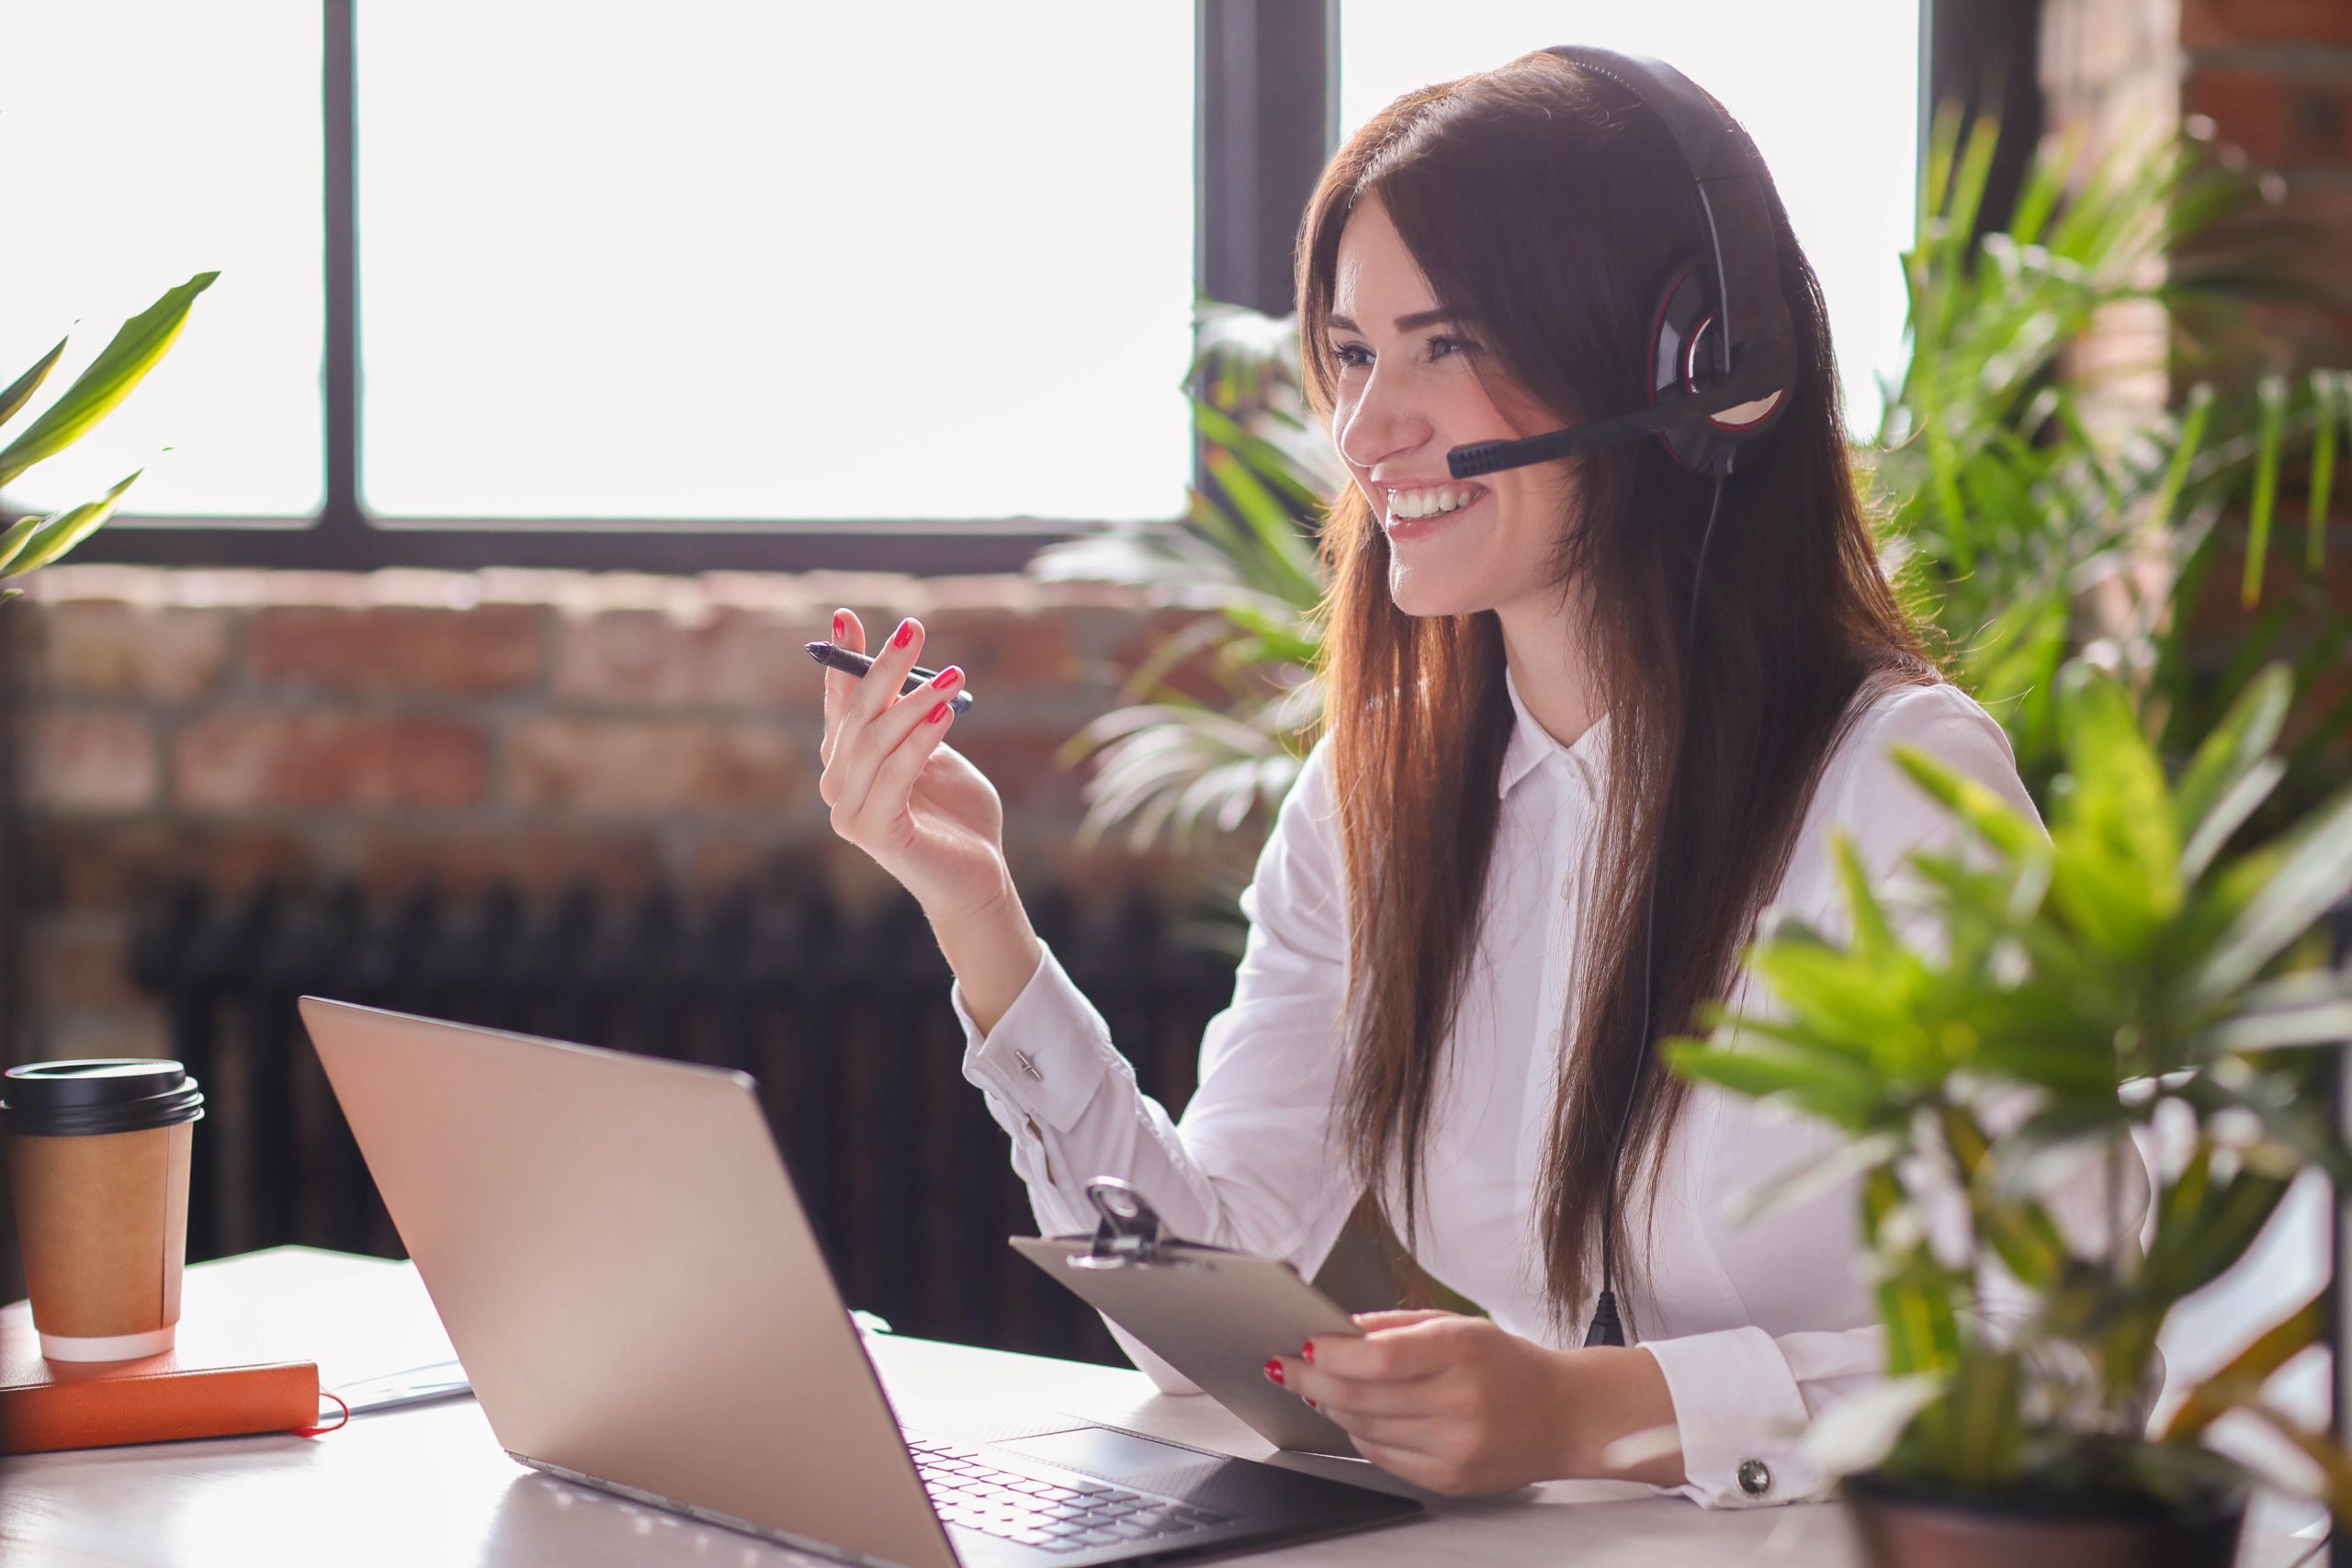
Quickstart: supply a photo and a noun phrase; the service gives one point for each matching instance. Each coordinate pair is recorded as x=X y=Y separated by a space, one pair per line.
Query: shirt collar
x=1532 y=745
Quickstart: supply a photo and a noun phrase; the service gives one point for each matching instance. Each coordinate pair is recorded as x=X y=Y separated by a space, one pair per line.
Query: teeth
x=1429 y=503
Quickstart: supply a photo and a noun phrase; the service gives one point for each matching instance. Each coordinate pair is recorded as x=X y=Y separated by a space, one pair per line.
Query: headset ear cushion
x=1682 y=361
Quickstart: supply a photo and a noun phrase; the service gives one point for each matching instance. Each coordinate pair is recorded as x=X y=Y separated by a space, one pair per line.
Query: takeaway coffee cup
x=98 y=1156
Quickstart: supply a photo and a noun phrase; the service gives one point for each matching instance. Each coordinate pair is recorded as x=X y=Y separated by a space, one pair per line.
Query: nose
x=1382 y=421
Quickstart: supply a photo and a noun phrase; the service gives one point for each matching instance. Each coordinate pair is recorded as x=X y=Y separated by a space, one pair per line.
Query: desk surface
x=429 y=1484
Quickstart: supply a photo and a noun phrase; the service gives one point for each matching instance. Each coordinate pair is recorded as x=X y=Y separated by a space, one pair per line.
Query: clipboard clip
x=1129 y=1234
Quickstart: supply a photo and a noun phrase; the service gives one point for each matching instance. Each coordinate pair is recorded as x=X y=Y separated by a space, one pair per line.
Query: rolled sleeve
x=1741 y=1418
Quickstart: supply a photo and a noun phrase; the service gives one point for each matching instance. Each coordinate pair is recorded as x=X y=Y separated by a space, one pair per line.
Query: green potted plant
x=2127 y=971
x=33 y=542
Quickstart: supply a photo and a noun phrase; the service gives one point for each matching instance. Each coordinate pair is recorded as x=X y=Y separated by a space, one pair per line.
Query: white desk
x=429 y=1486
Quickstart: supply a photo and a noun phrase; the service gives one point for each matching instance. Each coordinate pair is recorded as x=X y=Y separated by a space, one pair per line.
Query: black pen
x=833 y=656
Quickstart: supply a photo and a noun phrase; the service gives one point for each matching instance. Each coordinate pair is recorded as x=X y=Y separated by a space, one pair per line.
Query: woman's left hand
x=1461 y=1407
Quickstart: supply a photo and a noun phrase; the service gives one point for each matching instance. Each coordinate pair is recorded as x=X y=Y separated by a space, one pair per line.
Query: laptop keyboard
x=1079 y=1517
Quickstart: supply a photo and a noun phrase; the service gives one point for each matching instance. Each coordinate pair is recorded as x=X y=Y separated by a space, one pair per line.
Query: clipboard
x=1214 y=1315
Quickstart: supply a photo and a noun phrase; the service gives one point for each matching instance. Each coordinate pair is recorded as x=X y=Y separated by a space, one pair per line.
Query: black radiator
x=845 y=1022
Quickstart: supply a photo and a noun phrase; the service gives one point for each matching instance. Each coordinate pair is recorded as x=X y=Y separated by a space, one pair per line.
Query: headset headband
x=1726 y=177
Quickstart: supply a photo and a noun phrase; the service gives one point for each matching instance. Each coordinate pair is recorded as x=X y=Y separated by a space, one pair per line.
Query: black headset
x=1721 y=355
x=1720 y=350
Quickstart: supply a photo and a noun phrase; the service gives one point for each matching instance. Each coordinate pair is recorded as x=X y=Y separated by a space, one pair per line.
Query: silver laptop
x=634 y=1290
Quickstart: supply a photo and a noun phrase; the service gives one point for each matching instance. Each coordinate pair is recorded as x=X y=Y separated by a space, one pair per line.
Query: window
x=715 y=269
x=1833 y=104
x=773 y=262
x=145 y=144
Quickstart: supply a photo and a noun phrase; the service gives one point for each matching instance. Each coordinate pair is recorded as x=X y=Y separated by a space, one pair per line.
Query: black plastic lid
x=107 y=1094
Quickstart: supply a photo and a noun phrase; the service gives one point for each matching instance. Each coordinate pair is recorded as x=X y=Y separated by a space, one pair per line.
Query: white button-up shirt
x=1758 y=1325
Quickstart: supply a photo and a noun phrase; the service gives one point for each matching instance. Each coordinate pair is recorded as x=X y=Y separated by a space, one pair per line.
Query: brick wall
x=2269 y=83
x=541 y=727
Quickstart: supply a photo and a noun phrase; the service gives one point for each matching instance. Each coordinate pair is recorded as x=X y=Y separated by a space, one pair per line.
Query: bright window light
x=770 y=263
x=1832 y=106
x=145 y=144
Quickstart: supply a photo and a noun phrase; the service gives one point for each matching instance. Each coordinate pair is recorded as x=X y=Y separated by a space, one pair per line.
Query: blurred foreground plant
x=2120 y=972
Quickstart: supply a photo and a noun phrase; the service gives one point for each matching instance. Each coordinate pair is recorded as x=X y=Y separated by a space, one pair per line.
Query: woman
x=1443 y=997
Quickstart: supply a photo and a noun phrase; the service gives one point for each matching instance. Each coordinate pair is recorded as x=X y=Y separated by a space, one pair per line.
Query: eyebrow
x=1404 y=324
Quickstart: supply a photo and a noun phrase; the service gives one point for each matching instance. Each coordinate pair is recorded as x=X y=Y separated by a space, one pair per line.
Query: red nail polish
x=906 y=633
x=937 y=714
x=841 y=627
x=1307 y=1350
x=1274 y=1370
x=948 y=676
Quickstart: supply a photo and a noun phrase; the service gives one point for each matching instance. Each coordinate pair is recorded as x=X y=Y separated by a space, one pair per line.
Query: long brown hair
x=1551 y=205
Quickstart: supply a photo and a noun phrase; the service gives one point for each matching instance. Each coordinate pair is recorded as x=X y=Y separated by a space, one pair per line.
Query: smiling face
x=1406 y=394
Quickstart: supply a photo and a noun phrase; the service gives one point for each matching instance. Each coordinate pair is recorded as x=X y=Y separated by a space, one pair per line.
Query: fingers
x=1413 y=1349
x=858 y=767
x=861 y=700
x=853 y=701
x=1337 y=1395
x=911 y=741
x=1370 y=1322
x=849 y=632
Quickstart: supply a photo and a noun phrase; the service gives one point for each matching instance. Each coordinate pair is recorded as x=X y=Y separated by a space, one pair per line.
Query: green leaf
x=2234 y=748
x=1922 y=1331
x=1806 y=1183
x=2242 y=1378
x=2325 y=386
x=18 y=536
x=2313 y=1007
x=21 y=389
x=1996 y=821
x=1285 y=550
x=2272 y=398
x=2192 y=435
x=1985 y=1425
x=2247 y=792
x=1873 y=937
x=2206 y=1243
x=2114 y=828
x=120 y=366
x=61 y=531
x=2313 y=870
x=1827 y=1086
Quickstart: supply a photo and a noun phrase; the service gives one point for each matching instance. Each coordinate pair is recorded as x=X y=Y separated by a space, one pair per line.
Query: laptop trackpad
x=1116 y=1456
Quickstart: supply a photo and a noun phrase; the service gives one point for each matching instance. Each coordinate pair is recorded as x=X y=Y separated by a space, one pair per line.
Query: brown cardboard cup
x=98 y=1157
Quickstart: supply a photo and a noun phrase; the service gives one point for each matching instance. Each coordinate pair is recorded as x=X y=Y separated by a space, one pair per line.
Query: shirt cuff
x=1048 y=1055
x=1741 y=1418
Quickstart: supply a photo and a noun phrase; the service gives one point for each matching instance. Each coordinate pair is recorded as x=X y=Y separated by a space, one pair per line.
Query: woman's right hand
x=898 y=792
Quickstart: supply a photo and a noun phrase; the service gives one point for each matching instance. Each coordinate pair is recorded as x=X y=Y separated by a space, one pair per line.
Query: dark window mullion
x=339 y=101
x=1266 y=83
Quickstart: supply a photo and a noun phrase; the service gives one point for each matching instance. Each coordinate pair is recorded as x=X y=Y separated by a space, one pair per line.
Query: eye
x=1341 y=352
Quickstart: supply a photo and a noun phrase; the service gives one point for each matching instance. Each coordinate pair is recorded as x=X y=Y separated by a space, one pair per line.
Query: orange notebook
x=185 y=1392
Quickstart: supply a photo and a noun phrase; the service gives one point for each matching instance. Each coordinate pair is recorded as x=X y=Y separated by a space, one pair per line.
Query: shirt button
x=1754 y=1477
